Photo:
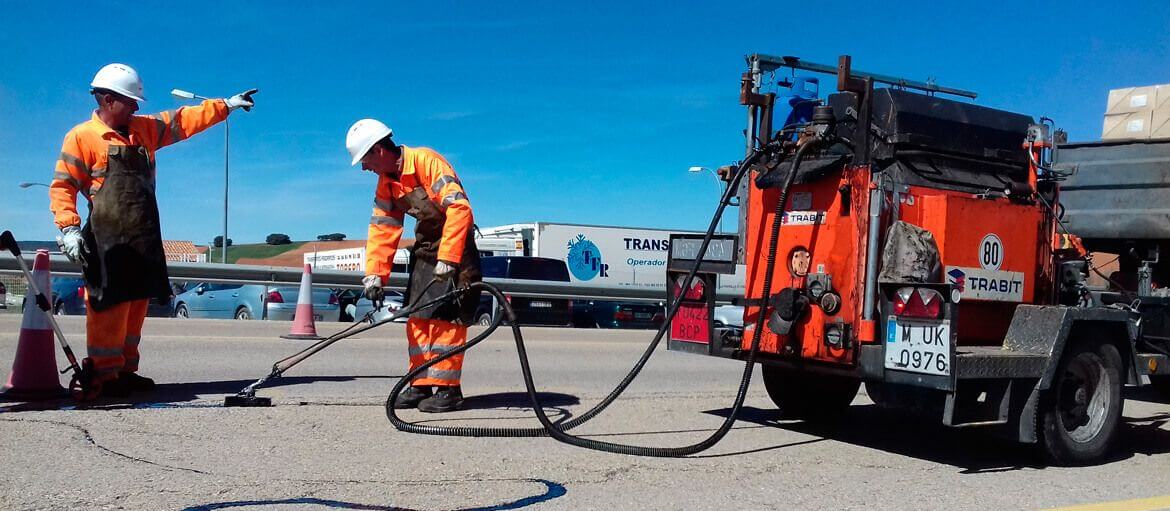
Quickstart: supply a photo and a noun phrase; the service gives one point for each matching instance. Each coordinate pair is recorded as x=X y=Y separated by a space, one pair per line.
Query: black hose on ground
x=558 y=430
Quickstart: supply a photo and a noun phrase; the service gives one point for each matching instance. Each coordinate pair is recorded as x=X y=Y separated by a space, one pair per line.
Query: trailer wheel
x=1080 y=413
x=1162 y=383
x=807 y=395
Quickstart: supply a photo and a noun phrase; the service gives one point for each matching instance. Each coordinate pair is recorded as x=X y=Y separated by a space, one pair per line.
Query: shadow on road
x=973 y=451
x=518 y=400
x=554 y=404
x=176 y=394
x=1147 y=393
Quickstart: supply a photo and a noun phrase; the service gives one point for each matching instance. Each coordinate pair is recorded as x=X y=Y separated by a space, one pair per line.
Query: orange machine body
x=994 y=250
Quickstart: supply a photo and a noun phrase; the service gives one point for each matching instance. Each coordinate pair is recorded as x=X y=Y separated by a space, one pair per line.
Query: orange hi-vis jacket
x=82 y=166
x=425 y=168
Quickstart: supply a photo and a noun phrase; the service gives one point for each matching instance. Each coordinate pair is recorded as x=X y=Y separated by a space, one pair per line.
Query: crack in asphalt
x=89 y=438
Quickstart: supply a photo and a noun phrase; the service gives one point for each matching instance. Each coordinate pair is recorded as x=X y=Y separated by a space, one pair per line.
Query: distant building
x=184 y=252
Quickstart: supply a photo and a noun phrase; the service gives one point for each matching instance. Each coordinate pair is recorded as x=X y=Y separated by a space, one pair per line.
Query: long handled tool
x=82 y=384
x=248 y=397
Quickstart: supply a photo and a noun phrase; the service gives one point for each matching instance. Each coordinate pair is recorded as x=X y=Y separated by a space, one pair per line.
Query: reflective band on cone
x=303 y=325
x=34 y=370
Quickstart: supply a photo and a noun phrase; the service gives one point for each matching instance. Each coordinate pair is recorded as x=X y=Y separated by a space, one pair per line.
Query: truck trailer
x=599 y=257
x=924 y=245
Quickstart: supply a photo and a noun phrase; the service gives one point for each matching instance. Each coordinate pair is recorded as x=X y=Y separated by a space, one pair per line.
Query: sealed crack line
x=89 y=438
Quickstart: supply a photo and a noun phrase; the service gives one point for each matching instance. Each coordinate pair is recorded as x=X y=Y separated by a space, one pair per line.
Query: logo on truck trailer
x=992 y=285
x=584 y=259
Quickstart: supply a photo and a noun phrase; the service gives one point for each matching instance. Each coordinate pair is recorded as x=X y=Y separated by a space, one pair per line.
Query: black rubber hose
x=557 y=431
x=630 y=376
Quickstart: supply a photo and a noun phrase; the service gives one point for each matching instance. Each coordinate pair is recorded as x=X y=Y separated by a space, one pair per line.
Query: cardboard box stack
x=1137 y=113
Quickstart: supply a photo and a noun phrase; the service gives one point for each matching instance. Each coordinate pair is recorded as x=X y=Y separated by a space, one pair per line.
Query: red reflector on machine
x=917 y=302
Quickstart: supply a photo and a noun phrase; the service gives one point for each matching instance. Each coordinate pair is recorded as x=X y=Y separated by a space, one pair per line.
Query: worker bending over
x=419 y=182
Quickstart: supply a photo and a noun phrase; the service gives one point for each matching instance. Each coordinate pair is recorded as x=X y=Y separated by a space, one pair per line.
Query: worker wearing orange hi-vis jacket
x=110 y=160
x=419 y=182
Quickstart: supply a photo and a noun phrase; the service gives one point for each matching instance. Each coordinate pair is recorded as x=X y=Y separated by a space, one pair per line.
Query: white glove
x=70 y=243
x=373 y=288
x=243 y=99
x=444 y=270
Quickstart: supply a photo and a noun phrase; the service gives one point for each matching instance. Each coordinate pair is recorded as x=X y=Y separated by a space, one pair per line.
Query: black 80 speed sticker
x=991 y=252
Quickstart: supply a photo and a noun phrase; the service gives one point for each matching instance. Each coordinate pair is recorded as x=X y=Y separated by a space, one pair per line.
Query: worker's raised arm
x=177 y=125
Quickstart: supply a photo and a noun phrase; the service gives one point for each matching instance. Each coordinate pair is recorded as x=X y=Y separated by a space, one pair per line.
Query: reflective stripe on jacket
x=82 y=164
x=425 y=168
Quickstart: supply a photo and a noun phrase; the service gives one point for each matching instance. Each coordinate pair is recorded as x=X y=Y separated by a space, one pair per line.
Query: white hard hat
x=119 y=78
x=363 y=135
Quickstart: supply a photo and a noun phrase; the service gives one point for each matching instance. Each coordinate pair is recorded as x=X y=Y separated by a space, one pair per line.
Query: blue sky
x=584 y=112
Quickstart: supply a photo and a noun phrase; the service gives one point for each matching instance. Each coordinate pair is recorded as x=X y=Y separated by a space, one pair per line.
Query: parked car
x=605 y=314
x=69 y=299
x=3 y=296
x=729 y=316
x=357 y=311
x=251 y=301
x=529 y=311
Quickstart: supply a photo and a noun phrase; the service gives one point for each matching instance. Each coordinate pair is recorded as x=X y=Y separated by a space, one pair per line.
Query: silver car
x=251 y=301
x=281 y=304
x=358 y=311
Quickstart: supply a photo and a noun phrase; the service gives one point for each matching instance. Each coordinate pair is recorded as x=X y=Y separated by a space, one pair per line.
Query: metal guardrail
x=249 y=274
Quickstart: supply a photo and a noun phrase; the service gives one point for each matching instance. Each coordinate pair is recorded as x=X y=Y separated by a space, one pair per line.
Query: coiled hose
x=558 y=430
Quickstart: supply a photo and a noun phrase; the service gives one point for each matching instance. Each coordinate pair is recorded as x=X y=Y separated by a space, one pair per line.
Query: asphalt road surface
x=326 y=444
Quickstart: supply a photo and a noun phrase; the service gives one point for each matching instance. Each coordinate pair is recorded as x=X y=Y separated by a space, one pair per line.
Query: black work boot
x=411 y=397
x=135 y=383
x=446 y=399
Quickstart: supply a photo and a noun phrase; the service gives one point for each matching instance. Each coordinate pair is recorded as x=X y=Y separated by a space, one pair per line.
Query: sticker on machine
x=803 y=217
x=991 y=285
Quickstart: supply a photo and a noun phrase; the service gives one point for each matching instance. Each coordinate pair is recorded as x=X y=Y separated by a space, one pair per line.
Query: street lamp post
x=182 y=94
x=718 y=185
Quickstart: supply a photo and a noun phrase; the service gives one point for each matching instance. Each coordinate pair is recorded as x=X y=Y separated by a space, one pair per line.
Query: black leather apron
x=123 y=257
x=428 y=231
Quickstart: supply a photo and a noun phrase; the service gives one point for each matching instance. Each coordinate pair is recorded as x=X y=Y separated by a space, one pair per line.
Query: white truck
x=598 y=257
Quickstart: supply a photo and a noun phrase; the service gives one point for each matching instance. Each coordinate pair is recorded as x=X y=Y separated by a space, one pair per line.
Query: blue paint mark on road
x=552 y=491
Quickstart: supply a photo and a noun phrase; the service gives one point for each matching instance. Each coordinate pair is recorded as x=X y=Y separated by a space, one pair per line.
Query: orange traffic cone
x=303 y=326
x=34 y=371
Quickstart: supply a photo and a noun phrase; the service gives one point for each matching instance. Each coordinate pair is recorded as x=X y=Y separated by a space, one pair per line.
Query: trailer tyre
x=808 y=395
x=1081 y=411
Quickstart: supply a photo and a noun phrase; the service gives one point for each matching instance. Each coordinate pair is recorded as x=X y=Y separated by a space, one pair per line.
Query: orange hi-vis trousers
x=427 y=339
x=112 y=336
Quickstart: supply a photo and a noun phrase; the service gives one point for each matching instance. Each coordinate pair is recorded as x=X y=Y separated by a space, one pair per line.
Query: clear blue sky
x=584 y=112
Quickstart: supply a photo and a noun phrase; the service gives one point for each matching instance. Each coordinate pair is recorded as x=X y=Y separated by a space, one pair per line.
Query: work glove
x=373 y=290
x=444 y=271
x=70 y=243
x=243 y=99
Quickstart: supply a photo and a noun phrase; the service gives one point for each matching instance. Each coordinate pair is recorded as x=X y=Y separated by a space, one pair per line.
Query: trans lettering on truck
x=991 y=285
x=647 y=244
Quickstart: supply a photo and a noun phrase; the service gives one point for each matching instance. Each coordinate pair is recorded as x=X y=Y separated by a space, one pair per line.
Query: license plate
x=541 y=304
x=918 y=346
x=642 y=315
